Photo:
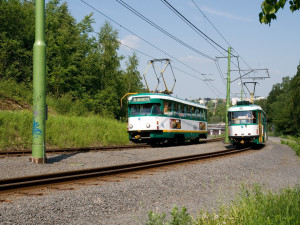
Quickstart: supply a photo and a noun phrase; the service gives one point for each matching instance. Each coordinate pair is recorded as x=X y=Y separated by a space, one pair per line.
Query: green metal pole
x=227 y=98
x=39 y=85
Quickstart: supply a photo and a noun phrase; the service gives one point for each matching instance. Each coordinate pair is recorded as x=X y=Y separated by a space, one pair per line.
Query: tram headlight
x=148 y=125
x=130 y=126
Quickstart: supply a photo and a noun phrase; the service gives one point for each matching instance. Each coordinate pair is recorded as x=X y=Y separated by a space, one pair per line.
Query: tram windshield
x=145 y=109
x=242 y=117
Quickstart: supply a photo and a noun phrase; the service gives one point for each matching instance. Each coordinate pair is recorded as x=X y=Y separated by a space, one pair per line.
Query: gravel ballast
x=198 y=185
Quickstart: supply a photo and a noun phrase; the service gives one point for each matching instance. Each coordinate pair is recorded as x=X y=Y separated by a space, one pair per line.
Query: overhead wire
x=203 y=35
x=154 y=47
x=190 y=24
x=151 y=57
x=169 y=35
x=238 y=66
x=163 y=30
x=211 y=23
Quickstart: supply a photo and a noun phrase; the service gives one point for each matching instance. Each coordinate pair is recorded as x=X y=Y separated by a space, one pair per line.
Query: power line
x=170 y=35
x=201 y=33
x=220 y=72
x=211 y=23
x=221 y=36
x=163 y=30
x=211 y=88
x=152 y=45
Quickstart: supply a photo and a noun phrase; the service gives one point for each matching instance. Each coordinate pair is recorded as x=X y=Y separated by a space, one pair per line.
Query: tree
x=132 y=80
x=283 y=107
x=16 y=40
x=271 y=7
x=295 y=104
x=63 y=49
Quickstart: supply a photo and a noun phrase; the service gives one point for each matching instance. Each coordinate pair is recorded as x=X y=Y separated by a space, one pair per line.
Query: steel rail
x=70 y=150
x=88 y=149
x=31 y=181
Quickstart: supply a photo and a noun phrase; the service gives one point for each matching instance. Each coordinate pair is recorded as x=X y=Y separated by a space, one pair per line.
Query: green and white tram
x=247 y=123
x=155 y=117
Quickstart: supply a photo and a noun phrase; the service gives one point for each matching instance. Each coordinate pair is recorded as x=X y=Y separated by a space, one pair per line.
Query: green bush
x=61 y=131
x=18 y=92
x=176 y=217
x=251 y=208
x=293 y=142
x=66 y=105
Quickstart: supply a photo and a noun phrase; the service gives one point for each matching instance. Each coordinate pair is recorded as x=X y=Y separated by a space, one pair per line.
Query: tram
x=157 y=118
x=247 y=124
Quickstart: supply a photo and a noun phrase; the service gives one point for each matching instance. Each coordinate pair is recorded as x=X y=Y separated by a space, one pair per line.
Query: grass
x=61 y=131
x=251 y=208
x=293 y=142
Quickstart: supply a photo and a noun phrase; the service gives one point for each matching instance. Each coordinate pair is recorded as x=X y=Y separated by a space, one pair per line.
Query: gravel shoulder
x=199 y=185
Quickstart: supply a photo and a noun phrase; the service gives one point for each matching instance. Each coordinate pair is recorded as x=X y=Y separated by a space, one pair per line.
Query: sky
x=202 y=71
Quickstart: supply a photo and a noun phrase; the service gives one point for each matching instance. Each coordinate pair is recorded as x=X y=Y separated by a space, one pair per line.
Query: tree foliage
x=16 y=40
x=216 y=111
x=84 y=66
x=283 y=107
x=271 y=7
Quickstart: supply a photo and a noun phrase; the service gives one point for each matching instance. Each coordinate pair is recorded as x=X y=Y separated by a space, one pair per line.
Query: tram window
x=196 y=113
x=188 y=111
x=176 y=109
x=167 y=108
x=243 y=117
x=201 y=114
x=142 y=109
x=156 y=109
x=254 y=117
x=181 y=110
x=193 y=113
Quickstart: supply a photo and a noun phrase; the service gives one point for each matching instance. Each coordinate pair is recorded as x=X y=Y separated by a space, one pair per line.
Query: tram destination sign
x=141 y=99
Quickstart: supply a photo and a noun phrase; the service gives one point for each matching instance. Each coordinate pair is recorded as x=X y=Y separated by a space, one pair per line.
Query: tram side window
x=167 y=108
x=193 y=113
x=156 y=109
x=181 y=110
x=188 y=111
x=175 y=109
x=254 y=117
x=202 y=114
x=197 y=112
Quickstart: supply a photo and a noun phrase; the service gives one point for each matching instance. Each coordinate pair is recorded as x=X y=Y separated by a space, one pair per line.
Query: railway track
x=88 y=149
x=70 y=176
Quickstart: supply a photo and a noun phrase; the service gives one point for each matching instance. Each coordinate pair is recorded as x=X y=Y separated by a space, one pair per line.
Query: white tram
x=247 y=123
x=155 y=117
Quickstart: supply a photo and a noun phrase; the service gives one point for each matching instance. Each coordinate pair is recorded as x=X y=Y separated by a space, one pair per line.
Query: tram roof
x=244 y=108
x=166 y=97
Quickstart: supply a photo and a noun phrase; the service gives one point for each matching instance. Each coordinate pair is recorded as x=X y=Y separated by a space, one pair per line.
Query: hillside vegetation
x=83 y=65
x=85 y=78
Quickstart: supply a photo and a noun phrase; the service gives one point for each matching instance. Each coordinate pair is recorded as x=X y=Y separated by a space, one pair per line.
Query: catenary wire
x=213 y=87
x=152 y=45
x=163 y=30
x=190 y=24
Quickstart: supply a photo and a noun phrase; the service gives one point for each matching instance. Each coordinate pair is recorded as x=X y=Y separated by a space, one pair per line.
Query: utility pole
x=39 y=86
x=227 y=98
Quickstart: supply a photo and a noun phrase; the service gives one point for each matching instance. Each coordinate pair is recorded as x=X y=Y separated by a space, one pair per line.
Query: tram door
x=259 y=127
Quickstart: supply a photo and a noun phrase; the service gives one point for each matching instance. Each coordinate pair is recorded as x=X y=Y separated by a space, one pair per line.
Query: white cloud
x=225 y=14
x=131 y=41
